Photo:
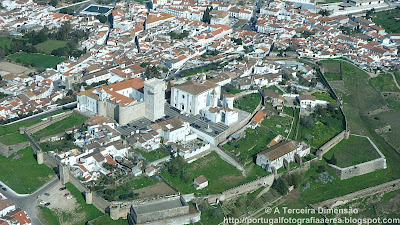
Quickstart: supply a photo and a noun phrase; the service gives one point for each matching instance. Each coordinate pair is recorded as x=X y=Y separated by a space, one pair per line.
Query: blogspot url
x=311 y=220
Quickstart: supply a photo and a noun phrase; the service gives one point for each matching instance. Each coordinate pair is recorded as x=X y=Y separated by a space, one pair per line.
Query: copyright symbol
x=268 y=210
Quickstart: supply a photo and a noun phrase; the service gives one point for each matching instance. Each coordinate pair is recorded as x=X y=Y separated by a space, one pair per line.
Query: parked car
x=38 y=196
x=69 y=197
x=63 y=188
x=1 y=185
x=42 y=202
x=4 y=189
x=66 y=194
x=47 y=194
x=47 y=204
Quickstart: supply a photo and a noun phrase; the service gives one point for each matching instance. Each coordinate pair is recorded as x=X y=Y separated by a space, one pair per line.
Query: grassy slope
x=48 y=46
x=60 y=126
x=383 y=83
x=24 y=175
x=348 y=155
x=38 y=60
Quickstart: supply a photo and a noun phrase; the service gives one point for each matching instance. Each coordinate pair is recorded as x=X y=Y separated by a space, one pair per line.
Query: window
x=183 y=96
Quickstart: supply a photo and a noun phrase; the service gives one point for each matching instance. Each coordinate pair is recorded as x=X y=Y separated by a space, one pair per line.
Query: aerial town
x=199 y=112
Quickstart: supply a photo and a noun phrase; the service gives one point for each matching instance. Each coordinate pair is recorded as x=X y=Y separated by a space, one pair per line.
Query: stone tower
x=154 y=97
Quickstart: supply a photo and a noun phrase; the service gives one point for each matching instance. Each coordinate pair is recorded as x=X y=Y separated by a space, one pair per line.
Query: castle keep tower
x=154 y=96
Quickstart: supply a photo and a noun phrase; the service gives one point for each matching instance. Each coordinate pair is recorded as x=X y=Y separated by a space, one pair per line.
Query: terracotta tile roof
x=259 y=116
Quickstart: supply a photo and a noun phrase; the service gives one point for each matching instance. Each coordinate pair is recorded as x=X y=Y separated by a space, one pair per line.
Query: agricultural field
x=347 y=154
x=48 y=46
x=57 y=145
x=36 y=60
x=254 y=142
x=389 y=20
x=383 y=83
x=248 y=103
x=21 y=172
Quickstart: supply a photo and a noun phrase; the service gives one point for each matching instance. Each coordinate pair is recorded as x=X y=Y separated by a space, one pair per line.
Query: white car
x=42 y=203
x=69 y=197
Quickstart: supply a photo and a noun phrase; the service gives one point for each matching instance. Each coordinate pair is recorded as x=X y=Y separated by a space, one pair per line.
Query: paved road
x=28 y=202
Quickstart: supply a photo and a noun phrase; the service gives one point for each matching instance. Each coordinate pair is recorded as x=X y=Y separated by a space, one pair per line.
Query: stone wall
x=331 y=143
x=50 y=120
x=362 y=168
x=381 y=188
x=248 y=187
x=7 y=150
x=128 y=113
x=359 y=169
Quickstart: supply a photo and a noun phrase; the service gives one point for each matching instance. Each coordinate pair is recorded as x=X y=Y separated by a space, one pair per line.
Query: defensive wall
x=332 y=143
x=362 y=168
x=7 y=150
x=45 y=123
x=381 y=188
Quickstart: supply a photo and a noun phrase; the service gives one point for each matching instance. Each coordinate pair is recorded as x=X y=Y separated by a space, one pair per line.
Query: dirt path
x=395 y=81
x=15 y=68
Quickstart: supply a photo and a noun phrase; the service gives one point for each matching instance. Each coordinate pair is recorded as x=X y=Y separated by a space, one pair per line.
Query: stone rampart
x=331 y=143
x=7 y=150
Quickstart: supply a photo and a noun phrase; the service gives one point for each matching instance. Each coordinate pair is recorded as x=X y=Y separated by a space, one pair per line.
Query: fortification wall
x=331 y=143
x=248 y=187
x=7 y=150
x=50 y=120
x=128 y=113
x=359 y=169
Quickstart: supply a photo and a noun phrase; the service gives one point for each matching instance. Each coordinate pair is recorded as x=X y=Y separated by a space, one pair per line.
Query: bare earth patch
x=160 y=188
x=15 y=68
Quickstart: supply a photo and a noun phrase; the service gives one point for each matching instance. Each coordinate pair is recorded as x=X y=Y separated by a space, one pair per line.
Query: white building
x=174 y=130
x=274 y=157
x=192 y=96
x=200 y=182
x=309 y=101
x=219 y=114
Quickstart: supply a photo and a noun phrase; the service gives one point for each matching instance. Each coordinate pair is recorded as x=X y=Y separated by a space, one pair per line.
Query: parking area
x=57 y=199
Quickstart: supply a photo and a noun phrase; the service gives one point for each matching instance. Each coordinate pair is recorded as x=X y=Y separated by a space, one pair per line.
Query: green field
x=5 y=41
x=48 y=46
x=332 y=69
x=49 y=217
x=323 y=96
x=248 y=103
x=383 y=83
x=220 y=175
x=24 y=175
x=389 y=20
x=155 y=154
x=106 y=220
x=60 y=126
x=254 y=142
x=36 y=60
x=348 y=155
x=11 y=139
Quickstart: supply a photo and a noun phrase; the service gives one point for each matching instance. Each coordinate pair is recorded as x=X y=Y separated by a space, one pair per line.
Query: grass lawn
x=11 y=139
x=387 y=20
x=5 y=41
x=24 y=175
x=324 y=129
x=155 y=154
x=49 y=217
x=220 y=175
x=383 y=83
x=229 y=89
x=48 y=46
x=60 y=145
x=323 y=96
x=248 y=103
x=397 y=76
x=347 y=155
x=73 y=120
x=106 y=219
x=254 y=142
x=296 y=113
x=36 y=60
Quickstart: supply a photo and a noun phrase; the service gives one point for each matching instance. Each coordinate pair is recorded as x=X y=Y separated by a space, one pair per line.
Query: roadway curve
x=27 y=202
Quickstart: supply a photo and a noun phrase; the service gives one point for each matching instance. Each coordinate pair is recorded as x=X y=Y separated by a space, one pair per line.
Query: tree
x=70 y=92
x=54 y=3
x=102 y=18
x=307 y=121
x=324 y=12
x=206 y=15
x=176 y=165
x=280 y=186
